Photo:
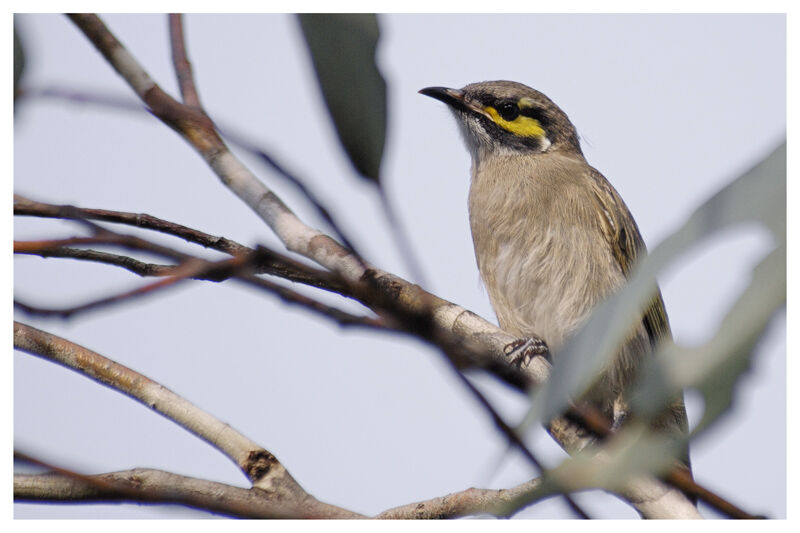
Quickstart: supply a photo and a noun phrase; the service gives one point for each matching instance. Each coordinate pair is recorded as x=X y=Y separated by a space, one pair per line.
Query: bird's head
x=508 y=117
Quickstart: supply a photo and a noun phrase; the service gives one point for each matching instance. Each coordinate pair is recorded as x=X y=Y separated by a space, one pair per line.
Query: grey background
x=670 y=108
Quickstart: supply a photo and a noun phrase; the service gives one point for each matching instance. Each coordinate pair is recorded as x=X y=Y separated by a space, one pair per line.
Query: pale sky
x=670 y=108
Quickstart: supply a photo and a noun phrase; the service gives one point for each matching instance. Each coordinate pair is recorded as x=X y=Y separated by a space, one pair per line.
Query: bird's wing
x=626 y=243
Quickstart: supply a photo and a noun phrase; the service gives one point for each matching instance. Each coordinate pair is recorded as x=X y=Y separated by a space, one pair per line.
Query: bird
x=552 y=236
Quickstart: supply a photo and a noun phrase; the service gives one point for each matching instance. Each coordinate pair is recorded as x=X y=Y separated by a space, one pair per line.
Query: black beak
x=455 y=99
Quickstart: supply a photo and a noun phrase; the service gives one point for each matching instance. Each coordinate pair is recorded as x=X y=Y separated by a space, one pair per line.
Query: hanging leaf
x=714 y=368
x=342 y=48
x=19 y=61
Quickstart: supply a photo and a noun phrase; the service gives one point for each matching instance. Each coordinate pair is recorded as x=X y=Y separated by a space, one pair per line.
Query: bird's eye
x=508 y=110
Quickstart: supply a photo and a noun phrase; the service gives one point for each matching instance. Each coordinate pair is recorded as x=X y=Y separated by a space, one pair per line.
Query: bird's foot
x=620 y=414
x=521 y=351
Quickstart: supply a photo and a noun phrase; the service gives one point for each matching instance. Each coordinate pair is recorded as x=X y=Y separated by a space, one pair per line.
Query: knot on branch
x=258 y=464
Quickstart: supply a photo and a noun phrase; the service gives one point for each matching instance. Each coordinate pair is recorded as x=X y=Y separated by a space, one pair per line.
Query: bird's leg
x=521 y=351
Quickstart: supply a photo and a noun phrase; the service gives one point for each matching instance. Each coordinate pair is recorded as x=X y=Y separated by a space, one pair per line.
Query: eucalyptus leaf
x=342 y=48
x=19 y=60
x=636 y=452
x=714 y=367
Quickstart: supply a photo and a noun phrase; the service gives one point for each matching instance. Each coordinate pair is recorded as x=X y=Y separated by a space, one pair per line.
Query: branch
x=155 y=486
x=102 y=236
x=277 y=496
x=270 y=262
x=239 y=267
x=130 y=264
x=24 y=206
x=187 y=270
x=198 y=130
x=272 y=163
x=183 y=68
x=261 y=467
x=82 y=96
x=144 y=485
x=469 y=502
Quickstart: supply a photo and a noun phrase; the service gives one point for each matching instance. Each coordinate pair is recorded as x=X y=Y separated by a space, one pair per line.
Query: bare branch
x=26 y=207
x=130 y=264
x=102 y=237
x=187 y=270
x=198 y=130
x=183 y=68
x=260 y=466
x=156 y=486
x=270 y=262
x=500 y=503
x=239 y=267
x=272 y=163
x=83 y=96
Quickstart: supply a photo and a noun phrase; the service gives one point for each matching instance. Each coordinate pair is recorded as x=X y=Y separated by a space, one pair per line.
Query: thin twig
x=85 y=96
x=24 y=206
x=209 y=273
x=185 y=271
x=130 y=264
x=106 y=237
x=239 y=267
x=180 y=61
x=269 y=261
x=340 y=317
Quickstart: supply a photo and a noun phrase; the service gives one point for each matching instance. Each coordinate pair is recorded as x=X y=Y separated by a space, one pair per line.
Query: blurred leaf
x=759 y=195
x=342 y=48
x=634 y=452
x=714 y=367
x=19 y=60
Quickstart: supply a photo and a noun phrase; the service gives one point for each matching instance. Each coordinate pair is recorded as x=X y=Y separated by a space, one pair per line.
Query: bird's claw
x=521 y=351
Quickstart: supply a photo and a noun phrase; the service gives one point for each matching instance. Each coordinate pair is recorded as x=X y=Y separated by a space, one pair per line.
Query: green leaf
x=634 y=452
x=19 y=60
x=715 y=367
x=342 y=48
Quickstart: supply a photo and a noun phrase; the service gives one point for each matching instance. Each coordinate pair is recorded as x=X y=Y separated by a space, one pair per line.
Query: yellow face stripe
x=522 y=125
